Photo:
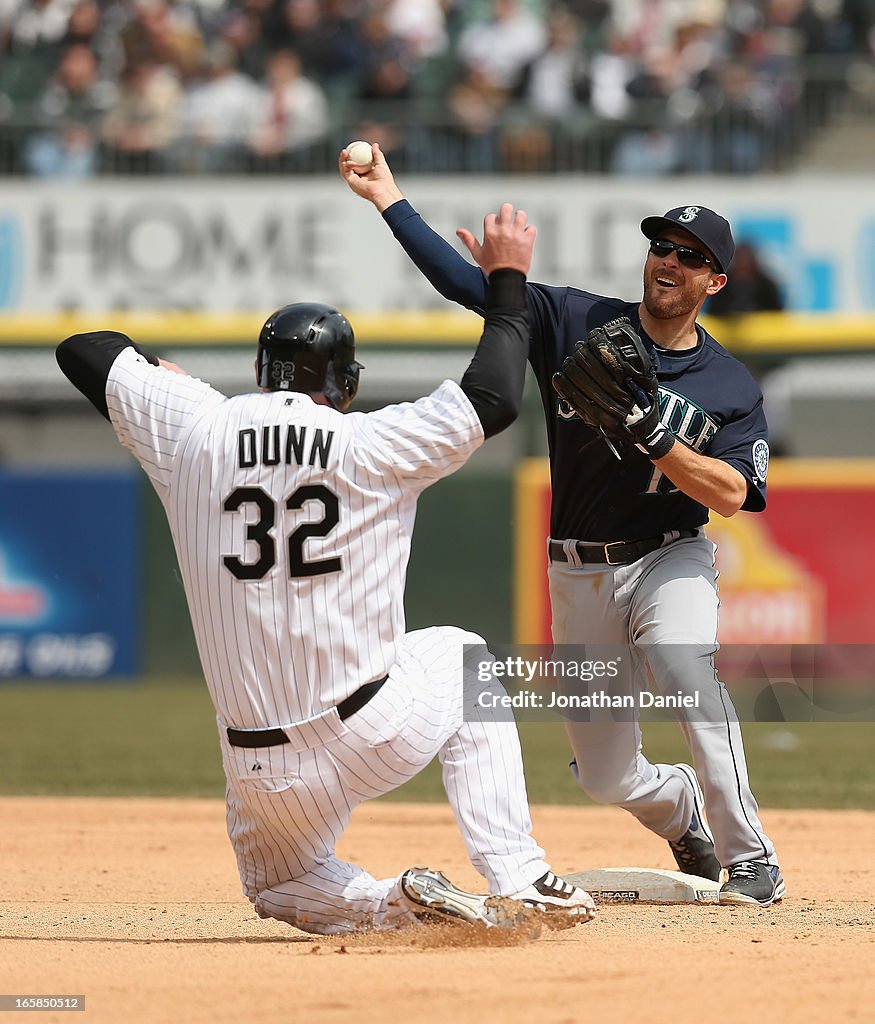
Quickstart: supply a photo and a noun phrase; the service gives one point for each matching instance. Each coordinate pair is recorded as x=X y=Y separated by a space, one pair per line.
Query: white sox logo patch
x=761 y=460
x=690 y=213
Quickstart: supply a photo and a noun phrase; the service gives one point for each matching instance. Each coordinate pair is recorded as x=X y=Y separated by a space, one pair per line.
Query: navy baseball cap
x=710 y=228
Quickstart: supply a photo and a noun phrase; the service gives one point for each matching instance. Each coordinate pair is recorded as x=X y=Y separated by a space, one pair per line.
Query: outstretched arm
x=446 y=269
x=496 y=375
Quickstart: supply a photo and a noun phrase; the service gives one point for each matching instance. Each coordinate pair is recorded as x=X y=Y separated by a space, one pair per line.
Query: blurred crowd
x=229 y=86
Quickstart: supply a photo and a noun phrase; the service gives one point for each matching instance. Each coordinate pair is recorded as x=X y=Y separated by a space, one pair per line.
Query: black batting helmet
x=308 y=347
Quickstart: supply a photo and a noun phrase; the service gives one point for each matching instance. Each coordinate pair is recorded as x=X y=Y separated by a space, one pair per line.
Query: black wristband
x=658 y=443
x=507 y=289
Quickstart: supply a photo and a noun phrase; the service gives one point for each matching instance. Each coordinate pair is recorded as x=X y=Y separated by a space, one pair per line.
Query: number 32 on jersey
x=260 y=532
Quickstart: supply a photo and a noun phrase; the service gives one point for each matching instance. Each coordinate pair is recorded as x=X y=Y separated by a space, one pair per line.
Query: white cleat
x=563 y=903
x=432 y=897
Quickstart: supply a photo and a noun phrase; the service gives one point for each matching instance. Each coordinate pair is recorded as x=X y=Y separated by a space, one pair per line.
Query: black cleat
x=694 y=851
x=752 y=882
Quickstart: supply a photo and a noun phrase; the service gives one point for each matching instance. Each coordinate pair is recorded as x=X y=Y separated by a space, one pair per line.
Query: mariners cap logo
x=690 y=213
x=761 y=460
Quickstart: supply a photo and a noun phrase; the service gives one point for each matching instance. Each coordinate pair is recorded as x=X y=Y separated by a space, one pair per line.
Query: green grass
x=827 y=765
x=158 y=738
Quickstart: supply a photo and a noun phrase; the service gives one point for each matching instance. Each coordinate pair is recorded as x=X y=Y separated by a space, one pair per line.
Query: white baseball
x=360 y=154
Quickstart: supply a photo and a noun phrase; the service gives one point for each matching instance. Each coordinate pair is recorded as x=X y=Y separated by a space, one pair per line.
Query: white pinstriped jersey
x=292 y=524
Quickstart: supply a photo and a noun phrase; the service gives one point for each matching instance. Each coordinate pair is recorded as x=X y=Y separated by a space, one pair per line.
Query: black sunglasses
x=691 y=258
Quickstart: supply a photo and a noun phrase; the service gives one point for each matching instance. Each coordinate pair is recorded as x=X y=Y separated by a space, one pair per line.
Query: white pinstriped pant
x=284 y=819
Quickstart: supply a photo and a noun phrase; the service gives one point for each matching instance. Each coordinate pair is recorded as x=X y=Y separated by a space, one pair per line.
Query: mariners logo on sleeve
x=761 y=459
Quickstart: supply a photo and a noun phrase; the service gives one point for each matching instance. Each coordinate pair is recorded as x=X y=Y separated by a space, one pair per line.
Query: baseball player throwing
x=629 y=559
x=292 y=525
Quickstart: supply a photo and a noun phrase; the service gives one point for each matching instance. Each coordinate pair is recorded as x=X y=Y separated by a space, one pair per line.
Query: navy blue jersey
x=708 y=399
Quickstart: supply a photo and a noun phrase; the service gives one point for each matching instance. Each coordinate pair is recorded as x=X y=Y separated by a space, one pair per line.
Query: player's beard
x=666 y=304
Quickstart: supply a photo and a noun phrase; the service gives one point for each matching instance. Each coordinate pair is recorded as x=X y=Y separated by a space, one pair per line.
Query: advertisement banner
x=70 y=580
x=245 y=244
x=794 y=575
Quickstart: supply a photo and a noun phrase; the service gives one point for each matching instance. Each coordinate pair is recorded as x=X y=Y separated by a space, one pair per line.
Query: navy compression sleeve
x=86 y=359
x=441 y=265
x=496 y=375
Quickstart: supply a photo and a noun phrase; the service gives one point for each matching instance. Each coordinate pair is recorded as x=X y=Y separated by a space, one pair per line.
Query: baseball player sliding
x=292 y=525
x=653 y=425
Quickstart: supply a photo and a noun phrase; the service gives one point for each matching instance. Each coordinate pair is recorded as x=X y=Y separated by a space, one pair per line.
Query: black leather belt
x=618 y=552
x=273 y=737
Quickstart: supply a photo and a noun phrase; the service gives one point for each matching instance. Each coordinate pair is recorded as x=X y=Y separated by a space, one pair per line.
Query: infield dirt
x=136 y=905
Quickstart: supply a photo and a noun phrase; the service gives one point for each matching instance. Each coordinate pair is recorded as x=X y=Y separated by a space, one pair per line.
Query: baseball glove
x=610 y=382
